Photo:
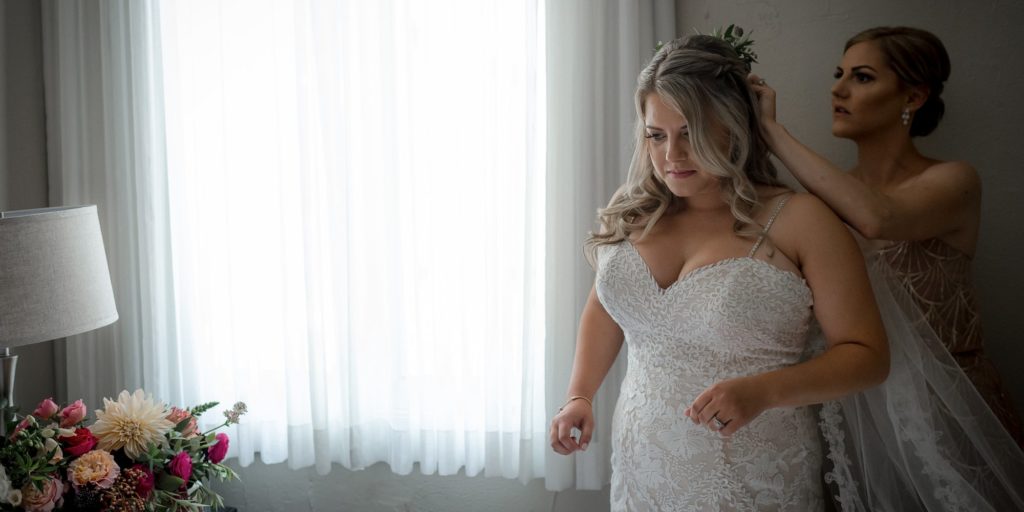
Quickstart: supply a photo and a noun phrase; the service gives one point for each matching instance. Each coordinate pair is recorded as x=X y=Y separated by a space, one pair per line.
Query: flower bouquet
x=139 y=455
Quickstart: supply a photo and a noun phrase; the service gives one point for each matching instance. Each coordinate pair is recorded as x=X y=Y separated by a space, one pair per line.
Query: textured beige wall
x=23 y=160
x=799 y=43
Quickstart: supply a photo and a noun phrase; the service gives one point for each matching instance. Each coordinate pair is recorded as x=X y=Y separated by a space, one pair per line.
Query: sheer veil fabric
x=925 y=439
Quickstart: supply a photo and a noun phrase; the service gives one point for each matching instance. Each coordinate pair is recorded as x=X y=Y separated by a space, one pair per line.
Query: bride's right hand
x=576 y=414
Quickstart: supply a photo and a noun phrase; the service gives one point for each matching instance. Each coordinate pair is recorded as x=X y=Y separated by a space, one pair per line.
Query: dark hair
x=918 y=58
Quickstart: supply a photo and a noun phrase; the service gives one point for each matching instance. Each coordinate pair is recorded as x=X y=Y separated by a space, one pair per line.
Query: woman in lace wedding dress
x=712 y=274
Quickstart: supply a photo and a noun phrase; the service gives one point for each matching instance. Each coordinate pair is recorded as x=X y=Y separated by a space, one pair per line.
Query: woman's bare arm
x=597 y=345
x=937 y=202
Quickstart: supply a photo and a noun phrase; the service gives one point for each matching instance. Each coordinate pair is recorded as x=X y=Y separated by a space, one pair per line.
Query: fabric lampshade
x=54 y=280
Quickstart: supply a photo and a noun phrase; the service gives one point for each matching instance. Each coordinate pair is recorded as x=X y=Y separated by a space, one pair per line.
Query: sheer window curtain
x=104 y=122
x=596 y=49
x=357 y=194
x=365 y=219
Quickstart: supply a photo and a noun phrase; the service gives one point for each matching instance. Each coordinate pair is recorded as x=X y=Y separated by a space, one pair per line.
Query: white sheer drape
x=368 y=222
x=357 y=194
x=595 y=51
x=105 y=147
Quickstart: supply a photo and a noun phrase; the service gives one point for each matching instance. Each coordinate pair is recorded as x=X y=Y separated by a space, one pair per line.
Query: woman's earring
x=905 y=116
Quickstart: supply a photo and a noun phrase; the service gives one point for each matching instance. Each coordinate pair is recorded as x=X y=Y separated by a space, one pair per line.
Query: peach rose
x=178 y=415
x=96 y=467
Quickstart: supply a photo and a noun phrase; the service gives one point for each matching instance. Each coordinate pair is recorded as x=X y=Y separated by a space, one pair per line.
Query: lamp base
x=8 y=365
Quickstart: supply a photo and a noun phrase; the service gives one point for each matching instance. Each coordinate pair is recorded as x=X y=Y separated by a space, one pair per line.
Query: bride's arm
x=598 y=343
x=857 y=354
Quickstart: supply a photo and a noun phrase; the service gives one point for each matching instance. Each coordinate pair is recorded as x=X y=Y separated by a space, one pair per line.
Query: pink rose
x=72 y=414
x=217 y=452
x=181 y=466
x=22 y=425
x=178 y=415
x=146 y=483
x=35 y=500
x=80 y=443
x=46 y=409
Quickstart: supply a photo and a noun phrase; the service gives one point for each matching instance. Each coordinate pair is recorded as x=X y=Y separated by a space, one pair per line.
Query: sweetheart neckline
x=708 y=266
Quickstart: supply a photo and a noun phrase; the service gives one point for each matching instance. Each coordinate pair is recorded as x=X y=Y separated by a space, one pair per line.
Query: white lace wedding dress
x=736 y=317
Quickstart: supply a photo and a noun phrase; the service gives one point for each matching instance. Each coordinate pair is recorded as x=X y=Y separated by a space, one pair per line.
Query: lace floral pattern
x=737 y=317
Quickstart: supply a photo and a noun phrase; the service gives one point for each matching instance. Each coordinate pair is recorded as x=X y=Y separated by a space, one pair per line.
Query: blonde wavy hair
x=704 y=79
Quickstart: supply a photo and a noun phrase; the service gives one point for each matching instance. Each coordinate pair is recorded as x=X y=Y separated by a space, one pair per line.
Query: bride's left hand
x=735 y=402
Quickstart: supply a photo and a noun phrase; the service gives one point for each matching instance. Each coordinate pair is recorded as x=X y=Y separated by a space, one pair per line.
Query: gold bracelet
x=575 y=397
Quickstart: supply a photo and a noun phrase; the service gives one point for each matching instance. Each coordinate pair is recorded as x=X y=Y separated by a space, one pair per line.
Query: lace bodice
x=736 y=317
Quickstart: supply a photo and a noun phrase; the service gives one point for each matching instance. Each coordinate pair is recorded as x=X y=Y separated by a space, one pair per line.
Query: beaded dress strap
x=768 y=225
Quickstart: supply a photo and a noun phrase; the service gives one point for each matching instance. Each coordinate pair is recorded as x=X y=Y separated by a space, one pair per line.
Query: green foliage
x=735 y=36
x=198 y=410
x=739 y=41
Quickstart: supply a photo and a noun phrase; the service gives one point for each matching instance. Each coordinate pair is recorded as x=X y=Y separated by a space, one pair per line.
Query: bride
x=712 y=272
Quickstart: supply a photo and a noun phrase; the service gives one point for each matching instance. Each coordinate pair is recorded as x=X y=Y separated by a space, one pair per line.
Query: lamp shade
x=54 y=280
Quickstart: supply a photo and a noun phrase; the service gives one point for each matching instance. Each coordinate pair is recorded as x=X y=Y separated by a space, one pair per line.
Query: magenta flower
x=147 y=482
x=217 y=452
x=181 y=466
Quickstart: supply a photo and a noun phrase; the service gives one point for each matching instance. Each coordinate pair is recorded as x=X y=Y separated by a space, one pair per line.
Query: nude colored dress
x=939 y=279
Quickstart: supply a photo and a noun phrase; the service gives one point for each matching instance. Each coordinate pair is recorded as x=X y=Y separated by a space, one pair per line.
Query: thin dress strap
x=768 y=225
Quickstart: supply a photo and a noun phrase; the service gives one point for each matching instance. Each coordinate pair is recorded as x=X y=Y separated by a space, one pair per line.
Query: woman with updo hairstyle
x=713 y=274
x=917 y=215
x=919 y=59
x=939 y=433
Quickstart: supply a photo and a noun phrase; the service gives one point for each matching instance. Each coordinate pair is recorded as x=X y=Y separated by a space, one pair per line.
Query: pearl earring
x=905 y=116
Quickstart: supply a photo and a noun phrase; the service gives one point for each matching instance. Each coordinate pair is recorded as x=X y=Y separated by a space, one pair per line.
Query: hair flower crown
x=741 y=42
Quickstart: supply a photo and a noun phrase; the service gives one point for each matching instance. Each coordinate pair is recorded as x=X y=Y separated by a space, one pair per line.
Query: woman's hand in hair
x=765 y=98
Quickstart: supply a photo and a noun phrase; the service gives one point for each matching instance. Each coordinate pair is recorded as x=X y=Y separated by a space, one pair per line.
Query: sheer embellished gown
x=737 y=317
x=938 y=278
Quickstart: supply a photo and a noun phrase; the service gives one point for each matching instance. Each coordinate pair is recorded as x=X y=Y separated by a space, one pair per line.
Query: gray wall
x=799 y=44
x=23 y=161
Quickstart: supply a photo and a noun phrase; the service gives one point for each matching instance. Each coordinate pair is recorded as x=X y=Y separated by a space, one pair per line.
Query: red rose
x=146 y=482
x=218 y=451
x=82 y=442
